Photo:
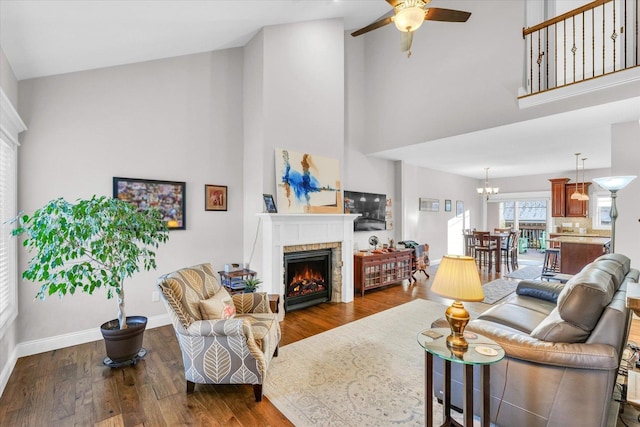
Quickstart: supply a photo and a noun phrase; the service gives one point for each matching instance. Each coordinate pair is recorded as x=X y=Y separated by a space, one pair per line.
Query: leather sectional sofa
x=563 y=346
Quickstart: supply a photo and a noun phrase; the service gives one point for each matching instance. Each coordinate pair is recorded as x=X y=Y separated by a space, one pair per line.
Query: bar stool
x=551 y=262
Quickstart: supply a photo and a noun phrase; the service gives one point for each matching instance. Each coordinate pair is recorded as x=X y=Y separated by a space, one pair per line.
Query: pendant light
x=576 y=194
x=584 y=196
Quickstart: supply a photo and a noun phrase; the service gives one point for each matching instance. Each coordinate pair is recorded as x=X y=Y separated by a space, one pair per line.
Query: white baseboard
x=61 y=341
x=7 y=370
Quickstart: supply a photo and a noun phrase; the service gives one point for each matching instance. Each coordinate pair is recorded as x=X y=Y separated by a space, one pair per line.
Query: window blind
x=8 y=187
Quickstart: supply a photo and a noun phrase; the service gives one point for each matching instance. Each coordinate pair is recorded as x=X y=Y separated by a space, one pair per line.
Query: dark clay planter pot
x=123 y=345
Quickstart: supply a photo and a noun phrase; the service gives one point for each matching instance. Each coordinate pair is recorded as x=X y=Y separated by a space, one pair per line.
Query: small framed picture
x=269 y=204
x=459 y=207
x=447 y=205
x=215 y=197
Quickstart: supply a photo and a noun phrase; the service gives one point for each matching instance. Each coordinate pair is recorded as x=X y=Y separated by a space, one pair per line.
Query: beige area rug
x=366 y=373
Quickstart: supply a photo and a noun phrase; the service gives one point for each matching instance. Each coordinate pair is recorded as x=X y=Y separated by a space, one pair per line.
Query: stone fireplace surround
x=294 y=232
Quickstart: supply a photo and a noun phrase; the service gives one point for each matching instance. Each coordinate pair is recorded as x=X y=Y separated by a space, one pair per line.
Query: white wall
x=294 y=99
x=462 y=77
x=176 y=119
x=625 y=152
x=8 y=79
x=363 y=173
x=254 y=149
x=433 y=227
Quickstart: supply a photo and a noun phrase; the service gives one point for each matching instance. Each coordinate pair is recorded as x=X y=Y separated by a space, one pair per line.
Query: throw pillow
x=219 y=306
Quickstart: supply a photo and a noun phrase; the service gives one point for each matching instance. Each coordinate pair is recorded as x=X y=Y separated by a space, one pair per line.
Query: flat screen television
x=371 y=206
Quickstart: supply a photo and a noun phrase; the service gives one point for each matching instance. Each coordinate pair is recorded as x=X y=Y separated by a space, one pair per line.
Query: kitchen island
x=578 y=251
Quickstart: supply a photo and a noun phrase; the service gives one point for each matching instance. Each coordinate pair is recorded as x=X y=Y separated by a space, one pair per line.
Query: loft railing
x=595 y=40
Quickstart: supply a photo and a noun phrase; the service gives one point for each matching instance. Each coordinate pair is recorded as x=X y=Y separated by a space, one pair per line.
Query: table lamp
x=614 y=184
x=458 y=278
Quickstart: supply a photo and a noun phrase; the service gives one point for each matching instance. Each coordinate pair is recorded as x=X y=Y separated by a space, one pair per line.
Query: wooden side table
x=232 y=280
x=274 y=303
x=482 y=352
x=633 y=297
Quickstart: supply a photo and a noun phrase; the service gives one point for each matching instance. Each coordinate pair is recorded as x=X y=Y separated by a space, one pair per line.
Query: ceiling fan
x=408 y=15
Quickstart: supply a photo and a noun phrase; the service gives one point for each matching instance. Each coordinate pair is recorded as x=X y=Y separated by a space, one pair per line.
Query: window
x=10 y=126
x=7 y=243
x=602 y=211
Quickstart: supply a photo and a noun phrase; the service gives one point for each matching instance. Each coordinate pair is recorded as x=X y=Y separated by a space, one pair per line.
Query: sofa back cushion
x=612 y=267
x=624 y=260
x=580 y=305
x=185 y=288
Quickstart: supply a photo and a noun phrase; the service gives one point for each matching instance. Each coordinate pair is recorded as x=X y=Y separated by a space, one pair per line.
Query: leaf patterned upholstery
x=229 y=351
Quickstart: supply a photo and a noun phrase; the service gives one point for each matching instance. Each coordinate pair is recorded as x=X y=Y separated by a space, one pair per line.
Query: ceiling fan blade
x=406 y=40
x=394 y=3
x=381 y=23
x=446 y=15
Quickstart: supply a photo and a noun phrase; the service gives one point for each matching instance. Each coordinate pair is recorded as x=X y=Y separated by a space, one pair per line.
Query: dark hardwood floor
x=71 y=386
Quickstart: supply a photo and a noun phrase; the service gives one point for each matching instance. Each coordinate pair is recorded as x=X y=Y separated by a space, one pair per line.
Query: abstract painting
x=307 y=183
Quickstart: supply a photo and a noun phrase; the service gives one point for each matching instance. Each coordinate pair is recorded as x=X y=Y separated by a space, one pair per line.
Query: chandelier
x=487 y=191
x=577 y=195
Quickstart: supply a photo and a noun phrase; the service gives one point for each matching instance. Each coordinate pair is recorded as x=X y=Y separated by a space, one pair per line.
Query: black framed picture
x=447 y=205
x=169 y=197
x=269 y=203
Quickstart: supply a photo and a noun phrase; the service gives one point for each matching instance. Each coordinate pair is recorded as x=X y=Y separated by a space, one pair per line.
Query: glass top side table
x=482 y=351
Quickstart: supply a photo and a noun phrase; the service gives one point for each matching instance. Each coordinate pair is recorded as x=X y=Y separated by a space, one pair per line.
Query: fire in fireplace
x=308 y=278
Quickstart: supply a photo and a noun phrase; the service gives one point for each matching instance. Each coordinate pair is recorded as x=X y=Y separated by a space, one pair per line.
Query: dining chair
x=485 y=249
x=509 y=250
x=469 y=243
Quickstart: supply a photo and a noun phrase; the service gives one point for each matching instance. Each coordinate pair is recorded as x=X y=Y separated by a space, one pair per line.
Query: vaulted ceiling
x=47 y=37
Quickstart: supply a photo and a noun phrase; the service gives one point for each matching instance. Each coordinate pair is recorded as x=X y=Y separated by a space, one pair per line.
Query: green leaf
x=89 y=244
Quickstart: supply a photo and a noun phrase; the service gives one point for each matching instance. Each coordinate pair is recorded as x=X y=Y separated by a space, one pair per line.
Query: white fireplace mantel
x=280 y=230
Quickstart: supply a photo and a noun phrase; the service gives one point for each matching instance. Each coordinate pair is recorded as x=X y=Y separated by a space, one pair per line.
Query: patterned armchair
x=234 y=350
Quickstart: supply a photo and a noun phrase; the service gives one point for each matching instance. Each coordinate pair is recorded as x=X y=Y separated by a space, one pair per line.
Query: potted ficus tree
x=93 y=244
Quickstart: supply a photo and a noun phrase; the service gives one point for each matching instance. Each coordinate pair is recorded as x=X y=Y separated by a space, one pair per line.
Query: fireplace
x=288 y=233
x=307 y=278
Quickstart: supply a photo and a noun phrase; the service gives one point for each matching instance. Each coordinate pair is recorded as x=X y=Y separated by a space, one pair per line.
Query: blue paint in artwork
x=302 y=184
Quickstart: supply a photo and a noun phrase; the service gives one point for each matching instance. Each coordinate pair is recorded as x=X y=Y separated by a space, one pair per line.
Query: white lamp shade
x=458 y=278
x=409 y=19
x=614 y=183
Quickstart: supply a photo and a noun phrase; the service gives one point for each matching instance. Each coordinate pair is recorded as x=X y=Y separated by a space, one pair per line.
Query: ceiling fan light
x=409 y=19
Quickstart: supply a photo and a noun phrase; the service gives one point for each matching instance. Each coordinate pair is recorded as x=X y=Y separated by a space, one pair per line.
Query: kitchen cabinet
x=576 y=208
x=562 y=205
x=576 y=252
x=558 y=196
